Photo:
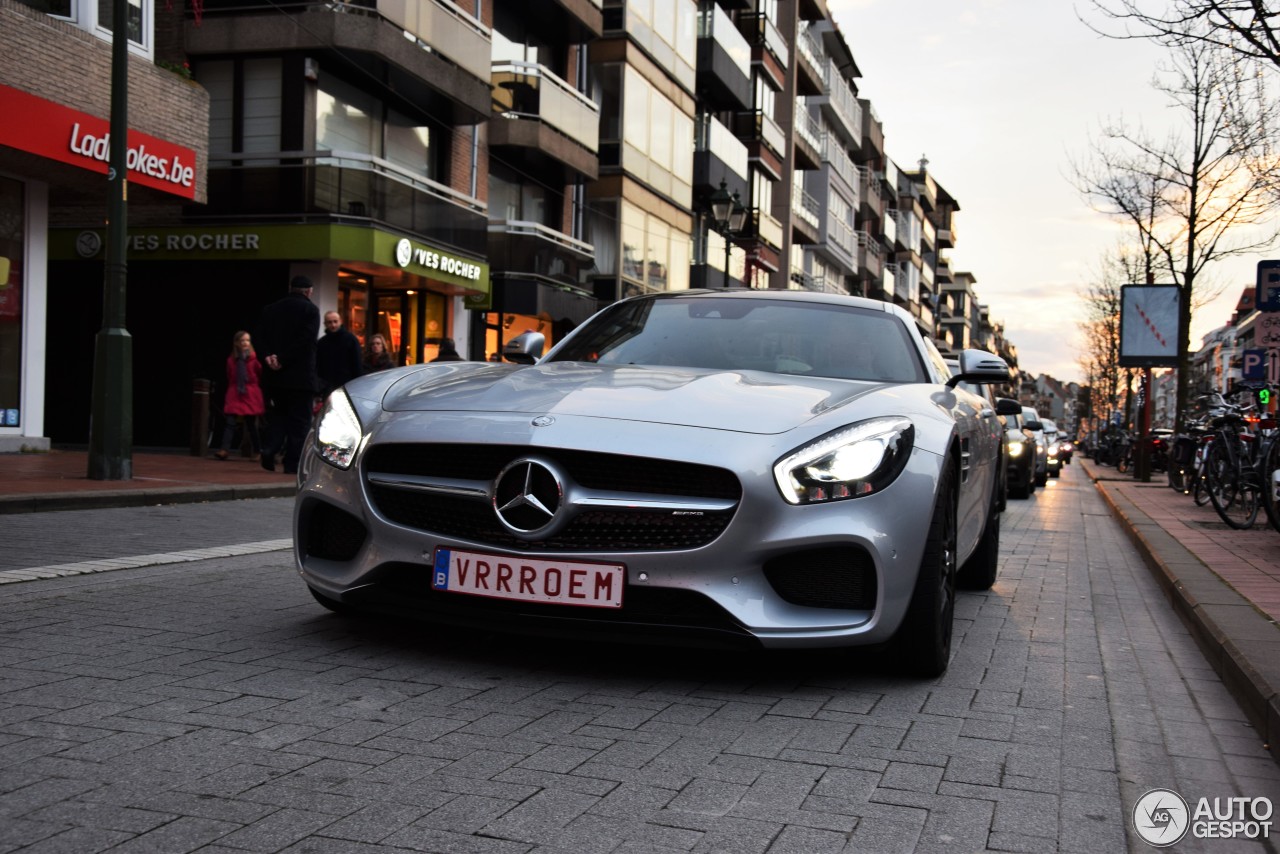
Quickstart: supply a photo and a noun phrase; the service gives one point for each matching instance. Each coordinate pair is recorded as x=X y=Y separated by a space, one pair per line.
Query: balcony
x=668 y=47
x=806 y=220
x=870 y=256
x=724 y=60
x=544 y=117
x=889 y=228
x=833 y=153
x=295 y=186
x=718 y=156
x=870 y=193
x=769 y=48
x=810 y=59
x=767 y=228
x=531 y=250
x=766 y=143
x=841 y=107
x=426 y=45
x=839 y=237
x=808 y=139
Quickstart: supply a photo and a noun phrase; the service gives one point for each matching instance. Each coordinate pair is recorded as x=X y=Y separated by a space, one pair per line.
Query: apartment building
x=469 y=170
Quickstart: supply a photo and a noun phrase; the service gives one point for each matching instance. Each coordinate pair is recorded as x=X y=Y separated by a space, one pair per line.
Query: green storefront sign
x=284 y=242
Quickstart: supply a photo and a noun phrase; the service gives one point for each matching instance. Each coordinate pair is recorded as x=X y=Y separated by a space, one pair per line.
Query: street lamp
x=729 y=216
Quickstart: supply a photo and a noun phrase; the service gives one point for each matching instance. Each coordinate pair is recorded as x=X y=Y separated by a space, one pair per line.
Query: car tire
x=1055 y=472
x=1042 y=479
x=332 y=604
x=979 y=571
x=923 y=641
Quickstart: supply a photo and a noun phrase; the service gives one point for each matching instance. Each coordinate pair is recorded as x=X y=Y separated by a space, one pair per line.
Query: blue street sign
x=1267 y=297
x=1254 y=365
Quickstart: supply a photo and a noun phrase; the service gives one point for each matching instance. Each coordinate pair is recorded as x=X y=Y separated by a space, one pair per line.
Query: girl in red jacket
x=244 y=395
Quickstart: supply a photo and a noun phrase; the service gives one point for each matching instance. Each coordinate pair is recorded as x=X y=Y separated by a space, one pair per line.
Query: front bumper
x=719 y=592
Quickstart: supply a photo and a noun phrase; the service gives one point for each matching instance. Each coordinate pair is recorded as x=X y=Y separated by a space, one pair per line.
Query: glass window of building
x=345 y=118
x=12 y=239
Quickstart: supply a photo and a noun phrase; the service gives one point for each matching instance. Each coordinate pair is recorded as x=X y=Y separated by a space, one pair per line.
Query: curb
x=106 y=498
x=1240 y=644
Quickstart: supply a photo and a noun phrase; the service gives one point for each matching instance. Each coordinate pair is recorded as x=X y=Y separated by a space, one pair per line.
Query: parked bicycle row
x=1230 y=458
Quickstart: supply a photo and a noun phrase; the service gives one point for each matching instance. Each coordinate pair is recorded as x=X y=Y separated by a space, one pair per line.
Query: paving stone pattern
x=212 y=706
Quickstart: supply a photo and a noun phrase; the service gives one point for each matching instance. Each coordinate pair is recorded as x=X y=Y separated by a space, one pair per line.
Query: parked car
x=989 y=403
x=1035 y=428
x=1066 y=450
x=748 y=467
x=1053 y=447
x=1019 y=450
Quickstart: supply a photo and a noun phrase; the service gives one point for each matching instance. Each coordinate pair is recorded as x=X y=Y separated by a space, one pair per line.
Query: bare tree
x=1197 y=196
x=1247 y=28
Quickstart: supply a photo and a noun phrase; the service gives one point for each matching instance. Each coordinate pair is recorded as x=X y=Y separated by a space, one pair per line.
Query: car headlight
x=338 y=431
x=853 y=461
x=1016 y=448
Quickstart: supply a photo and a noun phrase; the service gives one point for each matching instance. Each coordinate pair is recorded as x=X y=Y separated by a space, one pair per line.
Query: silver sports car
x=760 y=467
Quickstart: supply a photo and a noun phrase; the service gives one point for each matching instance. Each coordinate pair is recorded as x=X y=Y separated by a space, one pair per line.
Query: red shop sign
x=70 y=136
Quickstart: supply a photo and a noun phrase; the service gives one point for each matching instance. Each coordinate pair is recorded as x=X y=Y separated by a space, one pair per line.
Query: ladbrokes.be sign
x=70 y=136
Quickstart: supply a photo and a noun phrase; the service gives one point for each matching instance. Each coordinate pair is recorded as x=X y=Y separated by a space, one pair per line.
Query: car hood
x=742 y=401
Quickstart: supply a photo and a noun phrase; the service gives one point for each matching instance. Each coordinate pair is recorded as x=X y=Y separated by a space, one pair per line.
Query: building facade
x=466 y=170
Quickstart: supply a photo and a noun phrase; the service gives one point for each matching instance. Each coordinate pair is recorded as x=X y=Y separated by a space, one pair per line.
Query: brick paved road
x=211 y=706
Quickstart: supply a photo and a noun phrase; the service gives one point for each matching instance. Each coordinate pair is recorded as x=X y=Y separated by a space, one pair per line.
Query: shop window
x=12 y=230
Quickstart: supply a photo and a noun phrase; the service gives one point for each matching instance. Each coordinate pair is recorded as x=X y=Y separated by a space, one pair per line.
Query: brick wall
x=59 y=62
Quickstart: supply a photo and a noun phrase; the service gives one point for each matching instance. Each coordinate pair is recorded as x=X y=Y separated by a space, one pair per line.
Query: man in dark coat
x=338 y=356
x=448 y=352
x=287 y=335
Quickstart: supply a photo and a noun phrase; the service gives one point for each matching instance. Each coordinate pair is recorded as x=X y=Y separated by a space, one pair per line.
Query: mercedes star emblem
x=528 y=496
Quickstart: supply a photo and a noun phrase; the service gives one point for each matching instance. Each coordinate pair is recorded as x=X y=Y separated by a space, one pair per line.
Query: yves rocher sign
x=70 y=136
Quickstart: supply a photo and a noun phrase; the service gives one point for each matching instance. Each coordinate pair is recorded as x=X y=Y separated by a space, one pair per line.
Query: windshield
x=781 y=336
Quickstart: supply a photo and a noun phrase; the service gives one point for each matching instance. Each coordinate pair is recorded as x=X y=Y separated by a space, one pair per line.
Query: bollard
x=200 y=417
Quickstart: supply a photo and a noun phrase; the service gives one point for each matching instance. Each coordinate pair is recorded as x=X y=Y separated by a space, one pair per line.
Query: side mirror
x=980 y=367
x=1008 y=406
x=1033 y=426
x=525 y=348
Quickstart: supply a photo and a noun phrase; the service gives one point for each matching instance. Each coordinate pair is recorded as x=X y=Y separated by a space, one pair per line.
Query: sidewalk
x=57 y=481
x=1224 y=584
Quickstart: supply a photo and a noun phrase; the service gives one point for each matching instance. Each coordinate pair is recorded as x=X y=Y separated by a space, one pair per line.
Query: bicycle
x=1231 y=467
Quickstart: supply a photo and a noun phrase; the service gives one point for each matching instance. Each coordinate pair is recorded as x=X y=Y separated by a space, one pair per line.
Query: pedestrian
x=287 y=334
x=377 y=358
x=338 y=357
x=243 y=402
x=448 y=352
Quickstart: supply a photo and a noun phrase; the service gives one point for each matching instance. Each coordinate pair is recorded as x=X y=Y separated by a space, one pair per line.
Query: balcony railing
x=528 y=90
x=710 y=135
x=840 y=234
x=765 y=33
x=889 y=226
x=530 y=247
x=294 y=185
x=843 y=101
x=767 y=228
x=443 y=28
x=808 y=47
x=715 y=23
x=760 y=126
x=437 y=26
x=808 y=209
x=833 y=152
x=807 y=127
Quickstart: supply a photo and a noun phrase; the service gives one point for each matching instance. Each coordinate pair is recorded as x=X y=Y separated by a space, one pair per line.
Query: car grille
x=842 y=577
x=611 y=529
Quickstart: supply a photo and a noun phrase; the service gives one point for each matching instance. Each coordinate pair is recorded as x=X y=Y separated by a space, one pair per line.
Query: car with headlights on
x=1019 y=450
x=761 y=468
x=1034 y=428
x=1054 y=458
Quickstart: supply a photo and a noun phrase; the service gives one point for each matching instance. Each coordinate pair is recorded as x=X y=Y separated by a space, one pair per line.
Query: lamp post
x=729 y=215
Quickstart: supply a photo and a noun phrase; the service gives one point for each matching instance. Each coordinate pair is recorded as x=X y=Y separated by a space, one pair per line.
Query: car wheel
x=1055 y=473
x=979 y=571
x=923 y=640
x=332 y=604
x=1042 y=478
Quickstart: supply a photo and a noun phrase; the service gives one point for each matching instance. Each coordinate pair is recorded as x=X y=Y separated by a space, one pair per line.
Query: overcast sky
x=1000 y=95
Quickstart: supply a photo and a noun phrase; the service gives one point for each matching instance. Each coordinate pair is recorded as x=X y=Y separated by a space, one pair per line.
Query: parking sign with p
x=1267 y=297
